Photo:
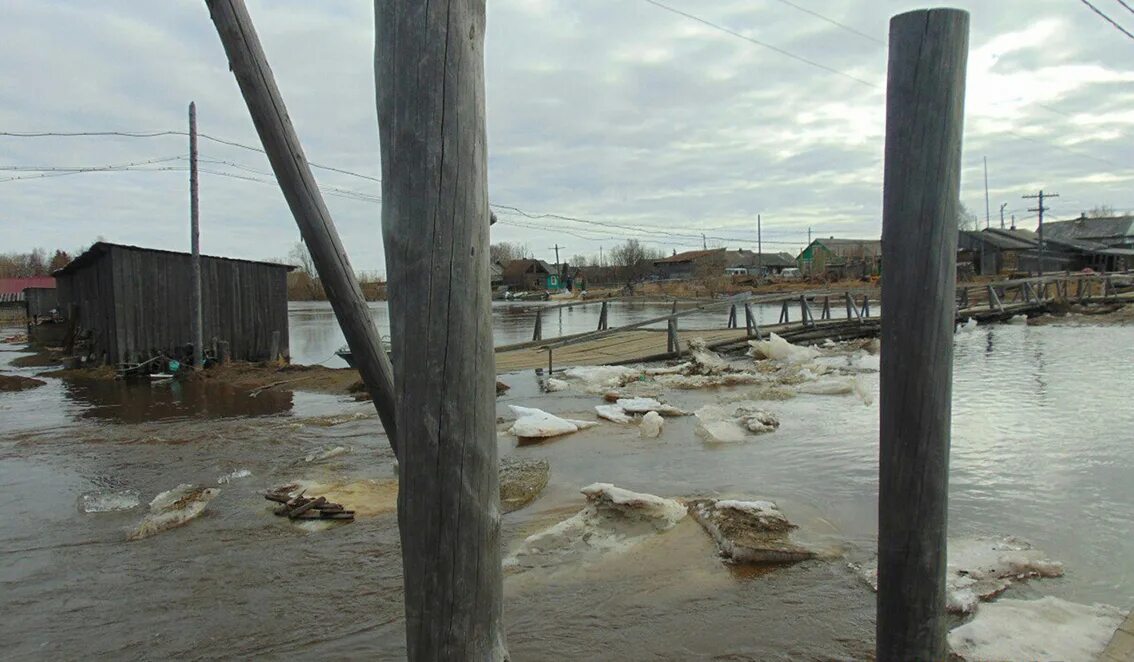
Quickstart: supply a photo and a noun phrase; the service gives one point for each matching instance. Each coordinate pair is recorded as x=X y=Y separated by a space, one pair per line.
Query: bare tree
x=966 y=220
x=1101 y=211
x=300 y=257
x=633 y=260
x=505 y=251
x=580 y=261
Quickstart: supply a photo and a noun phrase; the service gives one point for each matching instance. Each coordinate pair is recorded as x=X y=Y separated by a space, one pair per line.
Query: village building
x=1017 y=251
x=530 y=274
x=129 y=304
x=841 y=258
x=1110 y=231
x=761 y=264
x=22 y=298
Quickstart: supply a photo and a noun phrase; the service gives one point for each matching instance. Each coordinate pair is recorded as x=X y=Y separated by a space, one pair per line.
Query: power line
x=832 y=21
x=738 y=35
x=1100 y=13
x=157 y=134
x=1128 y=7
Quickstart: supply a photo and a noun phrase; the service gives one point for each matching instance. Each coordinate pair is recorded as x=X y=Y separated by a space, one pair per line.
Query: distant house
x=15 y=292
x=761 y=264
x=842 y=258
x=998 y=250
x=529 y=274
x=131 y=304
x=1111 y=231
x=495 y=274
x=692 y=264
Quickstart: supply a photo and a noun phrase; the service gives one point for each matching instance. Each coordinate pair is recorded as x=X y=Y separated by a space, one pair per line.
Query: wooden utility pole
x=429 y=79
x=1041 y=196
x=924 y=117
x=258 y=86
x=759 y=251
x=197 y=308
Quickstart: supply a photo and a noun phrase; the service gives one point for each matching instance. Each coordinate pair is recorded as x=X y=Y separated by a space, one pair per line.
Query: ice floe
x=109 y=501
x=173 y=508
x=326 y=453
x=234 y=475
x=613 y=520
x=748 y=531
x=535 y=423
x=734 y=422
x=778 y=349
x=651 y=425
x=1045 y=629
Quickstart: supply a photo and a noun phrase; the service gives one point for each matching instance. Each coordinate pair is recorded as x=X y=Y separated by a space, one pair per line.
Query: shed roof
x=18 y=285
x=1008 y=240
x=517 y=268
x=868 y=246
x=103 y=247
x=1110 y=227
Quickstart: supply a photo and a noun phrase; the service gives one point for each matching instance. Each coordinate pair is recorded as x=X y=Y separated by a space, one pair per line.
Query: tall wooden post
x=429 y=78
x=924 y=115
x=197 y=308
x=281 y=144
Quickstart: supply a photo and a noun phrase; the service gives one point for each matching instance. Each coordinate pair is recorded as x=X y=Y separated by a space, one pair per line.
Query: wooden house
x=130 y=303
x=528 y=274
x=841 y=258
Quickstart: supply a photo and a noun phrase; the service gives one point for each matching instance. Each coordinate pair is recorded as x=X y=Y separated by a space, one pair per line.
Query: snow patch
x=1019 y=320
x=552 y=385
x=602 y=376
x=968 y=325
x=173 y=508
x=1044 y=629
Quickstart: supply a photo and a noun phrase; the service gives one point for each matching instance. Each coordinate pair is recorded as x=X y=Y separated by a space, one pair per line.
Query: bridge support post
x=602 y=323
x=672 y=343
x=826 y=314
x=732 y=317
x=784 y=313
x=866 y=305
x=750 y=323
x=537 y=332
x=928 y=51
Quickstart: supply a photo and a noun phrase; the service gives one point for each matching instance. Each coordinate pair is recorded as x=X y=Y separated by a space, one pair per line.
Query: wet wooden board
x=621 y=347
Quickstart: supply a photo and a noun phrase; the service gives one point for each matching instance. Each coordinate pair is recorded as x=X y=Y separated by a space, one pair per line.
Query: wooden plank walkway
x=626 y=346
x=1121 y=646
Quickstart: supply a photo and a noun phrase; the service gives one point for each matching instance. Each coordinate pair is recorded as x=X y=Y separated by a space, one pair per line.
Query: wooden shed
x=131 y=303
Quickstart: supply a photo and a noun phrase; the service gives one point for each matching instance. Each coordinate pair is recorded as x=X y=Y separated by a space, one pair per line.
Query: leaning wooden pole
x=429 y=79
x=924 y=113
x=269 y=115
x=197 y=307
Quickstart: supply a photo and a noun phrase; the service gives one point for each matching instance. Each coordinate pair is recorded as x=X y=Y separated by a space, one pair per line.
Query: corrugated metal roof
x=18 y=285
x=102 y=247
x=689 y=256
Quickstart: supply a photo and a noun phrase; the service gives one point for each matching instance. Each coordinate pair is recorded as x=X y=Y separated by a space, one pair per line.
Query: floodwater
x=315 y=335
x=1041 y=450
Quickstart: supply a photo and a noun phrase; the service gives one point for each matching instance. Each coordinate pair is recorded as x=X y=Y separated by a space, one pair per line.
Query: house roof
x=1008 y=240
x=517 y=268
x=774 y=259
x=869 y=246
x=1106 y=228
x=18 y=285
x=102 y=248
x=690 y=256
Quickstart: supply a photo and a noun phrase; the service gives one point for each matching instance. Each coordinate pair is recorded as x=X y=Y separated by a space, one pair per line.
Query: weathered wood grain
x=429 y=78
x=924 y=117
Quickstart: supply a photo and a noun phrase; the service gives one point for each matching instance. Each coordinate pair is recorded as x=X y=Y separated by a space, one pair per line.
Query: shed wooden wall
x=40 y=301
x=138 y=303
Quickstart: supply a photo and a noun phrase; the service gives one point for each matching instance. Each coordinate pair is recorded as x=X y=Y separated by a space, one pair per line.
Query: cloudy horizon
x=632 y=119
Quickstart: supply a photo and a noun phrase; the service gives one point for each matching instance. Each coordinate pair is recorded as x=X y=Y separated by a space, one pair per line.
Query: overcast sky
x=615 y=111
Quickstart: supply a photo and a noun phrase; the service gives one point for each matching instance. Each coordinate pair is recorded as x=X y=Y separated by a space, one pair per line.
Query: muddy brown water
x=1042 y=450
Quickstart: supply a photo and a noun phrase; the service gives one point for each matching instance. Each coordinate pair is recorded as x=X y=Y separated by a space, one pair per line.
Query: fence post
x=924 y=116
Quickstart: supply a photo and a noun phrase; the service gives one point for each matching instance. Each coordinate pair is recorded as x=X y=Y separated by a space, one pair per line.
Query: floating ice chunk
x=651 y=425
x=704 y=360
x=613 y=413
x=603 y=376
x=969 y=325
x=104 y=501
x=536 y=423
x=778 y=349
x=551 y=385
x=229 y=477
x=172 y=509
x=866 y=362
x=748 y=531
x=1044 y=629
x=644 y=405
x=734 y=424
x=829 y=386
x=613 y=520
x=979 y=569
x=326 y=453
x=1019 y=319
